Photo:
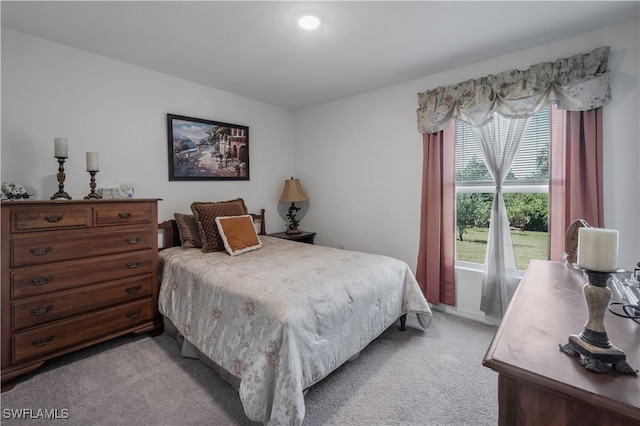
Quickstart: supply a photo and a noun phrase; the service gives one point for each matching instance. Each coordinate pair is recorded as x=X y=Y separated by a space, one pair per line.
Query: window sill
x=478 y=267
x=469 y=266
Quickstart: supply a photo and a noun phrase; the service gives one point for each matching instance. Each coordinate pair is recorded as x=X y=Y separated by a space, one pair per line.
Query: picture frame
x=202 y=149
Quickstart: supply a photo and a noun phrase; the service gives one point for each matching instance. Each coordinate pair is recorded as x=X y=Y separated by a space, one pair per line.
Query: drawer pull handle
x=124 y=215
x=135 y=289
x=41 y=342
x=133 y=265
x=133 y=240
x=41 y=251
x=41 y=281
x=53 y=219
x=134 y=314
x=41 y=311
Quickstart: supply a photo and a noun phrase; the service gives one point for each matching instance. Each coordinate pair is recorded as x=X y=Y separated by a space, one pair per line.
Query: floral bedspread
x=283 y=317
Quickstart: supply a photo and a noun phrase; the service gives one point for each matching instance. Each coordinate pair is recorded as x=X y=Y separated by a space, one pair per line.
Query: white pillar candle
x=598 y=249
x=60 y=147
x=92 y=162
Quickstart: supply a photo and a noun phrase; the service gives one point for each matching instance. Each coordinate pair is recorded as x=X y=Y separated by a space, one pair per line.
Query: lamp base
x=595 y=358
x=293 y=222
x=60 y=194
x=593 y=345
x=92 y=196
x=61 y=177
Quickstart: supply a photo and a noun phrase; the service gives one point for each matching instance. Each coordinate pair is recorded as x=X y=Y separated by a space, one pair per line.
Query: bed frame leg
x=403 y=321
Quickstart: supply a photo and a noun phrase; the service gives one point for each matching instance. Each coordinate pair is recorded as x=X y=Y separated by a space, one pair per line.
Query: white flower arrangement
x=13 y=191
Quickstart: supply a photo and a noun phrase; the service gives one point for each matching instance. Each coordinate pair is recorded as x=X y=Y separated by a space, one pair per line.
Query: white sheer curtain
x=499 y=141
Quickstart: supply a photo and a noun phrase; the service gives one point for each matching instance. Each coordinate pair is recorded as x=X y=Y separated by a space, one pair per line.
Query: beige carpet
x=432 y=377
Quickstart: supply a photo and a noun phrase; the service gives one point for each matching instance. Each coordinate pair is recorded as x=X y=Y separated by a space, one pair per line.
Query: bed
x=277 y=319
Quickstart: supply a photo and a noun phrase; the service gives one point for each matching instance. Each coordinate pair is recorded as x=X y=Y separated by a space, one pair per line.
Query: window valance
x=578 y=83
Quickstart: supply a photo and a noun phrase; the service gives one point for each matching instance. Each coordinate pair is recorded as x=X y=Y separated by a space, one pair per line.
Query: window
x=525 y=192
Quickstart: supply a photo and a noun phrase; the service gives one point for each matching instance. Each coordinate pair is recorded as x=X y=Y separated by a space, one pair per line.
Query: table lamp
x=293 y=193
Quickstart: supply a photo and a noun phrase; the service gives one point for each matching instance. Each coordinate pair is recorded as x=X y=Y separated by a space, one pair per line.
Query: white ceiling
x=255 y=49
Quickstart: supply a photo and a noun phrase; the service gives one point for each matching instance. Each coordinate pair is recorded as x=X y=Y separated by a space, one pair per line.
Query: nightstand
x=303 y=237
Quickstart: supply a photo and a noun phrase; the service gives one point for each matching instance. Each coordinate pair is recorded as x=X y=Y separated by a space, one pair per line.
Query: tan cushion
x=238 y=234
x=205 y=214
x=188 y=228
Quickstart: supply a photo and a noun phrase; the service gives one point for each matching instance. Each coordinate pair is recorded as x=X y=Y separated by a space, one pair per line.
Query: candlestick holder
x=61 y=177
x=592 y=344
x=92 y=185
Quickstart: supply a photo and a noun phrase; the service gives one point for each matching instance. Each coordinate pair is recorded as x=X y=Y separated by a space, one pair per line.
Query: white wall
x=50 y=90
x=360 y=158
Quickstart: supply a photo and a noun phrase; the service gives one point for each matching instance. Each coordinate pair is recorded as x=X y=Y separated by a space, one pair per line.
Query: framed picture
x=207 y=150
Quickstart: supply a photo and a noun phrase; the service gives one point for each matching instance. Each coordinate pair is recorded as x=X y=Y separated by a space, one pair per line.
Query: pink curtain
x=575 y=180
x=436 y=254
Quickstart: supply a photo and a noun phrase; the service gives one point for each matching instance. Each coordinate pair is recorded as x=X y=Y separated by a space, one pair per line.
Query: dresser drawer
x=27 y=218
x=122 y=214
x=63 y=334
x=36 y=280
x=38 y=251
x=41 y=309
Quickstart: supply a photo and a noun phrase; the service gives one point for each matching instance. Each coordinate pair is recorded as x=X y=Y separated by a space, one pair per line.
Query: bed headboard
x=169 y=235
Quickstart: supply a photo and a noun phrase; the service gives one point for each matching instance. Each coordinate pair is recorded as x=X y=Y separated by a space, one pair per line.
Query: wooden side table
x=302 y=237
x=540 y=385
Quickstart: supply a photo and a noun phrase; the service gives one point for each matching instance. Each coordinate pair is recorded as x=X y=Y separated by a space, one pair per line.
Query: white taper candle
x=598 y=249
x=92 y=162
x=60 y=147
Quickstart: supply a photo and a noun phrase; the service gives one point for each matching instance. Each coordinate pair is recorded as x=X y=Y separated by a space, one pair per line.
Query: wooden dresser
x=540 y=385
x=75 y=273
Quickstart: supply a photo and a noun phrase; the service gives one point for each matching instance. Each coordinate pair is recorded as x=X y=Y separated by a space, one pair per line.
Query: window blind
x=531 y=165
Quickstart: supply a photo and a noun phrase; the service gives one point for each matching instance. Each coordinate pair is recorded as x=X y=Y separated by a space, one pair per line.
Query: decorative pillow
x=238 y=234
x=188 y=228
x=205 y=214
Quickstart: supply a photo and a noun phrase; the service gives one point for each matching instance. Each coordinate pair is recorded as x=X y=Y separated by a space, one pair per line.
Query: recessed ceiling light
x=309 y=22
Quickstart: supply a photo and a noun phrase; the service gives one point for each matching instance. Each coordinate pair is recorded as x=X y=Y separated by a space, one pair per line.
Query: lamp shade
x=293 y=192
